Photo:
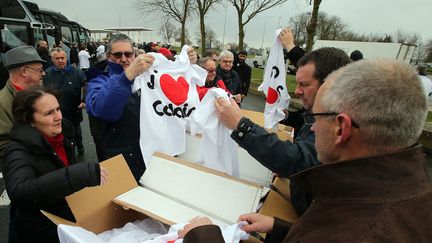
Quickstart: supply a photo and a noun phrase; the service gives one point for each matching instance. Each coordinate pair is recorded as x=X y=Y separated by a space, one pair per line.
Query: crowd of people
x=356 y=171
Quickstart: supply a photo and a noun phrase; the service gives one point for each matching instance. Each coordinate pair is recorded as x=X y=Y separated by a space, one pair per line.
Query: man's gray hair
x=202 y=61
x=57 y=49
x=116 y=38
x=384 y=97
x=225 y=54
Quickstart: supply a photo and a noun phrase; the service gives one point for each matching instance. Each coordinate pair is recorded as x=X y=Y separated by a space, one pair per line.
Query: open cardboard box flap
x=93 y=207
x=175 y=190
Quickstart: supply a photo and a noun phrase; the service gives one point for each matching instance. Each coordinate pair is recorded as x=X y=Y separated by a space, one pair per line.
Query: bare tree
x=167 y=30
x=421 y=53
x=298 y=25
x=337 y=27
x=203 y=6
x=210 y=37
x=312 y=26
x=177 y=36
x=330 y=27
x=428 y=47
x=404 y=37
x=217 y=45
x=178 y=10
x=254 y=7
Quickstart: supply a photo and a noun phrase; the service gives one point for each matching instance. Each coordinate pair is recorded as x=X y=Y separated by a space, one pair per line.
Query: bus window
x=11 y=9
x=66 y=34
x=75 y=34
x=38 y=34
x=49 y=32
x=14 y=34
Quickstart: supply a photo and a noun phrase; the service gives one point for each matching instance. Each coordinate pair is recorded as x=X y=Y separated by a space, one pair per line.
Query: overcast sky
x=362 y=16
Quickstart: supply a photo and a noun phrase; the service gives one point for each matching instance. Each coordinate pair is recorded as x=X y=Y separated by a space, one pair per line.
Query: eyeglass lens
x=120 y=54
x=40 y=70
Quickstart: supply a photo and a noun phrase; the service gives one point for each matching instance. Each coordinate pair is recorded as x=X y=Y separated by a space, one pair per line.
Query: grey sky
x=362 y=16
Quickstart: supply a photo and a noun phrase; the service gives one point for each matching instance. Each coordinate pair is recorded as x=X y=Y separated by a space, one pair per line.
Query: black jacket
x=69 y=83
x=36 y=179
x=74 y=56
x=245 y=72
x=231 y=80
x=294 y=55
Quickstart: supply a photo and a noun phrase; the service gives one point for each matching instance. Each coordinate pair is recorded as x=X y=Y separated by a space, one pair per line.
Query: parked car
x=259 y=61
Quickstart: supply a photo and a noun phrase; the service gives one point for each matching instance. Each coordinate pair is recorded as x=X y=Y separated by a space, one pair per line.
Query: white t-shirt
x=217 y=149
x=274 y=85
x=100 y=50
x=168 y=98
x=84 y=59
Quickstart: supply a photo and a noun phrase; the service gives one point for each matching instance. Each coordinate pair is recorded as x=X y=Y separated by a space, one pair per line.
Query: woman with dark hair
x=39 y=166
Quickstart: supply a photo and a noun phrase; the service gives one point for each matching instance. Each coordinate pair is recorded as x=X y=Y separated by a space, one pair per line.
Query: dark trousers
x=78 y=135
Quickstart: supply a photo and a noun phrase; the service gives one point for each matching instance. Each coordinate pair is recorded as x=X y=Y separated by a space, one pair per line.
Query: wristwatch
x=244 y=127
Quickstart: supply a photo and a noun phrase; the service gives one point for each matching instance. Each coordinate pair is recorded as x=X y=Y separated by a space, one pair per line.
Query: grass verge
x=257 y=78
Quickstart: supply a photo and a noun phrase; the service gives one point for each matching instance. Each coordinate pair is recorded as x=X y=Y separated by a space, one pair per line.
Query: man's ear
x=343 y=128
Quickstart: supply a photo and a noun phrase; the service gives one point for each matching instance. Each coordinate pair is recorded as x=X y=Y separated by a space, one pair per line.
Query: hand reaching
x=257 y=222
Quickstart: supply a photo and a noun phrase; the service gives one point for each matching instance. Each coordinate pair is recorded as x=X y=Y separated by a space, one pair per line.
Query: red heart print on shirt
x=272 y=96
x=175 y=90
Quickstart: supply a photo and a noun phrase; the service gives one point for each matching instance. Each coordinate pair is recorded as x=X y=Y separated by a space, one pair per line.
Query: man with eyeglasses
x=284 y=157
x=212 y=80
x=69 y=81
x=25 y=69
x=112 y=106
x=373 y=185
x=230 y=77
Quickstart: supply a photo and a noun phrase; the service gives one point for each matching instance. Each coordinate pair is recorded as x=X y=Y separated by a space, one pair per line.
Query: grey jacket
x=6 y=119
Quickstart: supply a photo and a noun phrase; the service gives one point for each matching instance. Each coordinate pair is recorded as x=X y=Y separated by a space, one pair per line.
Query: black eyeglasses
x=308 y=117
x=119 y=55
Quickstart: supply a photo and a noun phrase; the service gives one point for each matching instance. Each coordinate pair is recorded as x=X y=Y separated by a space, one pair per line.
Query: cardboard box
x=102 y=208
x=285 y=133
x=93 y=207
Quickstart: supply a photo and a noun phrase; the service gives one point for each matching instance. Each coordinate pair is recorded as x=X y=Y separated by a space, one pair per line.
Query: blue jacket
x=282 y=157
x=110 y=100
x=69 y=82
x=108 y=91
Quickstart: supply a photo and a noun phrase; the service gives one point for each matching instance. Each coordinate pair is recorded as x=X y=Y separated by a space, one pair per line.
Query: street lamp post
x=264 y=29
x=223 y=38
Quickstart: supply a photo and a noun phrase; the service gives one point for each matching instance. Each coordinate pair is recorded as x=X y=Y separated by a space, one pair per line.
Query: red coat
x=218 y=84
